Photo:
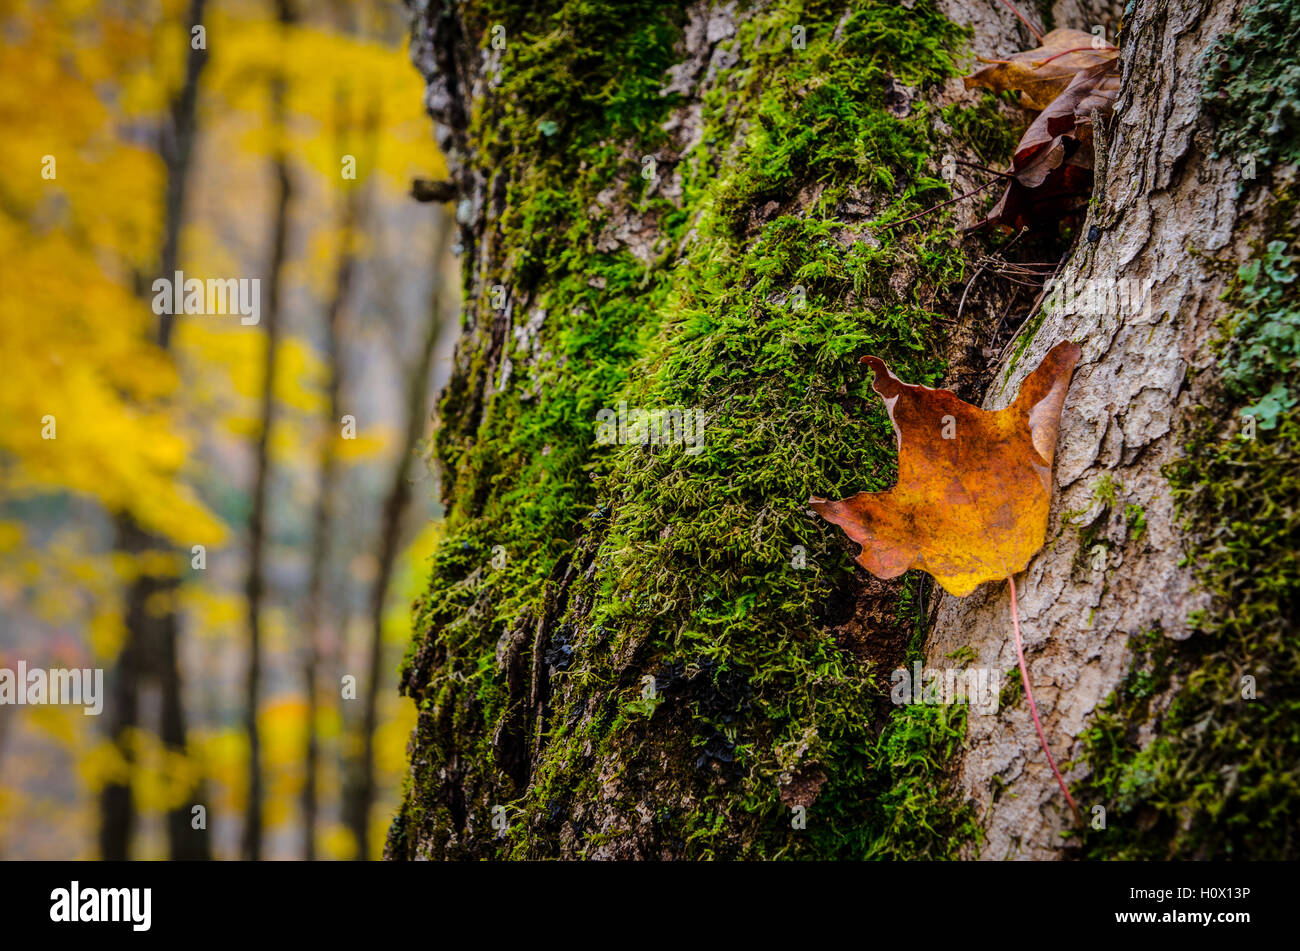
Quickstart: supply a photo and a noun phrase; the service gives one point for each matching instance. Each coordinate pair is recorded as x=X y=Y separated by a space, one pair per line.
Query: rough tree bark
x=1163 y=210
x=530 y=741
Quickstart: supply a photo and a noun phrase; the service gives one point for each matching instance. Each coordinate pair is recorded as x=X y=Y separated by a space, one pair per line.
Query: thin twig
x=1022 y=267
x=984 y=168
x=922 y=214
x=999 y=264
x=1032 y=307
x=1019 y=234
x=966 y=290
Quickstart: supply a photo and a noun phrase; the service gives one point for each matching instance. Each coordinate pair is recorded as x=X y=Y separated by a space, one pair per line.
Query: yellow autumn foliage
x=326 y=74
x=80 y=218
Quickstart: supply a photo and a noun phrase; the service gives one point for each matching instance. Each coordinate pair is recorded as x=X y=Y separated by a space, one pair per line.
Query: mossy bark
x=650 y=649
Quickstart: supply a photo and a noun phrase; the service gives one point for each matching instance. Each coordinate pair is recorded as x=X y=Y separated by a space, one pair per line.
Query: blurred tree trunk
x=255 y=584
x=150 y=651
x=351 y=212
x=360 y=793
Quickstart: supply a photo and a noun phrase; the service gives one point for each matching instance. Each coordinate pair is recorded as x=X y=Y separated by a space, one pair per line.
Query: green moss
x=984 y=128
x=917 y=817
x=690 y=578
x=1136 y=519
x=1106 y=490
x=1251 y=84
x=1261 y=350
x=1221 y=778
x=963 y=655
x=1013 y=689
x=1023 y=339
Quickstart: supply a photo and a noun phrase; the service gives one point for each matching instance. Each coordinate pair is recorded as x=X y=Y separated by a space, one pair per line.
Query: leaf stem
x=1029 y=693
x=1078 y=49
x=1021 y=17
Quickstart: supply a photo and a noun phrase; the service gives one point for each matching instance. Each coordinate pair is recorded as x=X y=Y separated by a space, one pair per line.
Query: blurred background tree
x=181 y=500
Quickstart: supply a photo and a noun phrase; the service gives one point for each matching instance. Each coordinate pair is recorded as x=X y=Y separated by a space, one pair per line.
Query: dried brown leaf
x=1042 y=74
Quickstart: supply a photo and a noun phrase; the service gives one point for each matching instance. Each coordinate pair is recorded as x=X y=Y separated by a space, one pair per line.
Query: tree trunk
x=150 y=651
x=392 y=517
x=323 y=516
x=674 y=658
x=1169 y=211
x=255 y=583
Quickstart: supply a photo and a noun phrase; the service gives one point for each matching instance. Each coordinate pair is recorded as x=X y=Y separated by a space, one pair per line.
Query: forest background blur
x=182 y=500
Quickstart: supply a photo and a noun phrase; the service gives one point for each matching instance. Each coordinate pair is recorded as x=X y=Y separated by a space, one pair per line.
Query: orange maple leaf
x=973 y=494
x=974 y=486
